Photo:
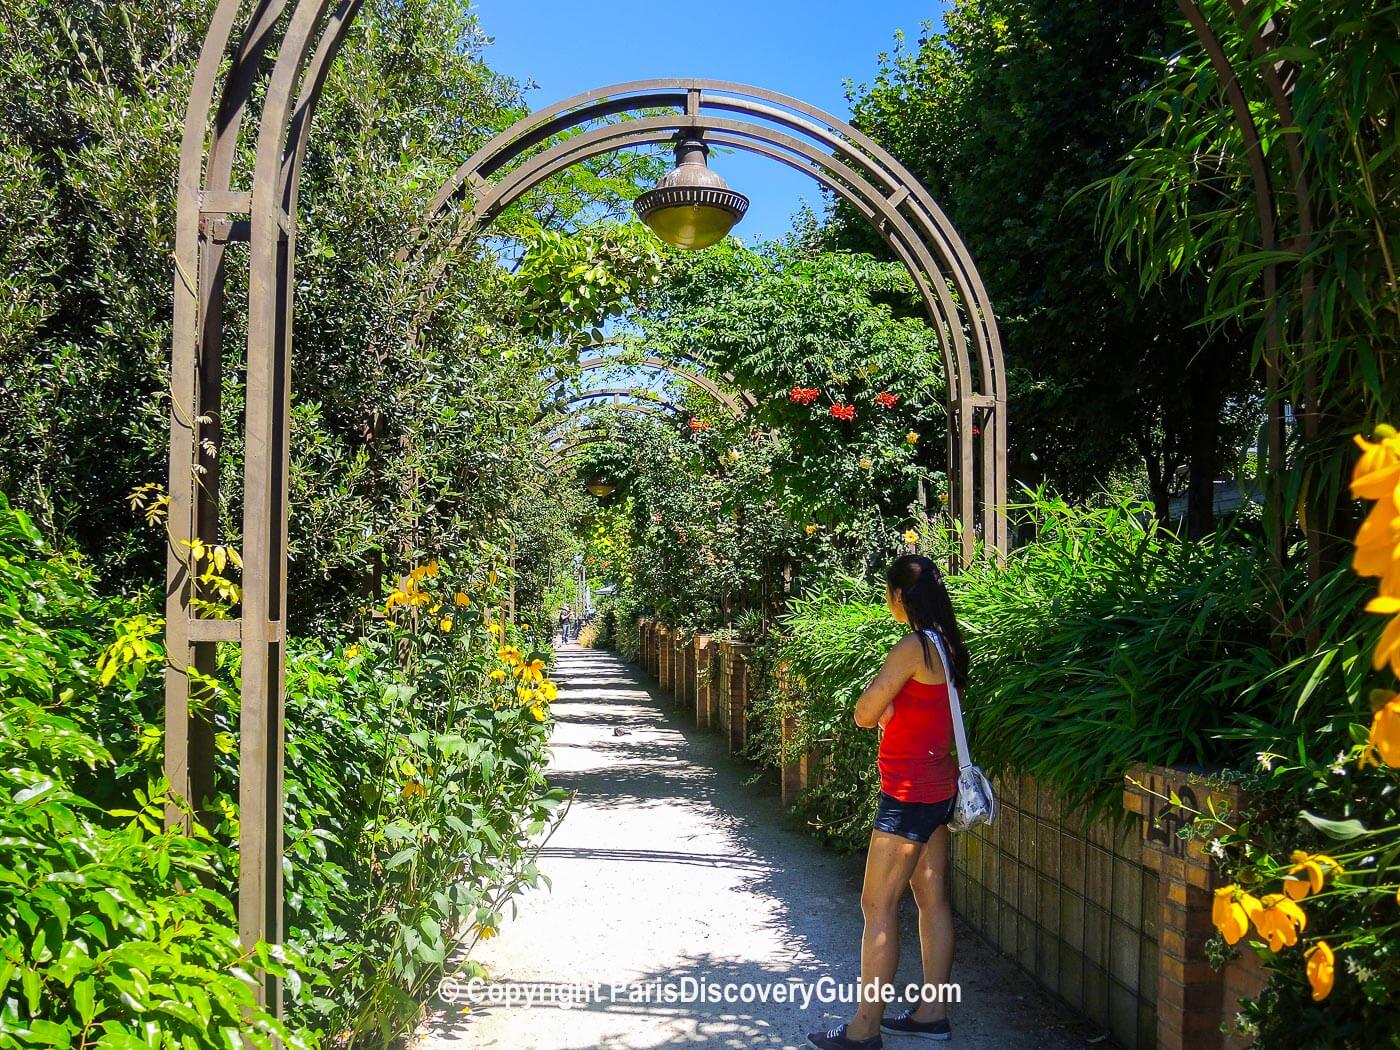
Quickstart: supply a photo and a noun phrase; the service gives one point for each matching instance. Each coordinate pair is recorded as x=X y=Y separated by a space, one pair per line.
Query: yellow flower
x=413 y=789
x=866 y=462
x=1388 y=647
x=431 y=568
x=537 y=712
x=1385 y=734
x=498 y=675
x=352 y=651
x=486 y=932
x=811 y=529
x=492 y=577
x=912 y=436
x=446 y=624
x=461 y=598
x=525 y=693
x=1230 y=912
x=911 y=536
x=549 y=690
x=1378 y=544
x=1377 y=472
x=1279 y=921
x=1321 y=970
x=1308 y=873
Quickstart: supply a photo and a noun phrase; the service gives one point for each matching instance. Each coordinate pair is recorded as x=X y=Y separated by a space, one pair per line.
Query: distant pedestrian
x=565 y=622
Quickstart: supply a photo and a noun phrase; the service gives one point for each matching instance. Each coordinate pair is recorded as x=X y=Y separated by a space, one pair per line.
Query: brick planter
x=683 y=652
x=1194 y=1001
x=665 y=656
x=736 y=657
x=701 y=651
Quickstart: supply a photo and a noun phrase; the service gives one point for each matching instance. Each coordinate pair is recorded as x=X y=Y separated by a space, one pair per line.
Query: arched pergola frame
x=735 y=404
x=614 y=394
x=285 y=59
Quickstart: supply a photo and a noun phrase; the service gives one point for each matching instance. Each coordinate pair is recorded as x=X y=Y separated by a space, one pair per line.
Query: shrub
x=1103 y=641
x=111 y=934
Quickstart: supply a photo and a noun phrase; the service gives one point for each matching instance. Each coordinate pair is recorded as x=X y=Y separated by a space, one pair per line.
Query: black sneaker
x=837 y=1039
x=934 y=1031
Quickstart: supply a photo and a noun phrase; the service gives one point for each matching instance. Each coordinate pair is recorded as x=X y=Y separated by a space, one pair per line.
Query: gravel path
x=670 y=867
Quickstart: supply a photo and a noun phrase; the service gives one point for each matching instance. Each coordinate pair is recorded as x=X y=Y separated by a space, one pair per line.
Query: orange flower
x=1378 y=543
x=1308 y=873
x=1377 y=472
x=1322 y=970
x=1385 y=734
x=1388 y=648
x=413 y=789
x=1279 y=921
x=461 y=598
x=1231 y=911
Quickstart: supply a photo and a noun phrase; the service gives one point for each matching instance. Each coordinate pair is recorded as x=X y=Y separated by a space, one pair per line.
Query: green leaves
x=1338 y=830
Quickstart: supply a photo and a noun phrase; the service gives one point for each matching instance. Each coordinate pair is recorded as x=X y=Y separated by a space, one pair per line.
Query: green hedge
x=109 y=935
x=414 y=785
x=1104 y=641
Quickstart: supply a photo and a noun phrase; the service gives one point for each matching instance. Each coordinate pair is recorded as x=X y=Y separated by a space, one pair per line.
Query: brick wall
x=1075 y=907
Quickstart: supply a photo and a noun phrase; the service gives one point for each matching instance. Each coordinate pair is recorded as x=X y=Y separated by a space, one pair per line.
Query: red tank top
x=916 y=760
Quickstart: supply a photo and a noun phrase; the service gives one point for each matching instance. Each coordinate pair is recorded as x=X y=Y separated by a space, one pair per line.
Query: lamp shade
x=599 y=486
x=691 y=207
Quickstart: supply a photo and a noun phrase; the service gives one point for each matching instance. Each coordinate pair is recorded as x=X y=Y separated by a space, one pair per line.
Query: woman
x=909 y=844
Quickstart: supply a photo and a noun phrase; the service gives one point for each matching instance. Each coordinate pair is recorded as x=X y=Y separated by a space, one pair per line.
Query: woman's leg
x=930 y=885
x=888 y=867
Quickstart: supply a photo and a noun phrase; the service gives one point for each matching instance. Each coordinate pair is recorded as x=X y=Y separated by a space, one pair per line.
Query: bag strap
x=954 y=702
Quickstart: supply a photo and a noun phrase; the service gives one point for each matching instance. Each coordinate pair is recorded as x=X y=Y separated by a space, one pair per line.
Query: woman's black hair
x=926 y=602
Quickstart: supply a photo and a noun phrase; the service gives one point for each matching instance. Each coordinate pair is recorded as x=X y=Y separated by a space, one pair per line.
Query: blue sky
x=804 y=49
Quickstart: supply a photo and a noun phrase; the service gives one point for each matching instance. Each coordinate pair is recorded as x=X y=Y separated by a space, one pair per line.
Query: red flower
x=846 y=412
x=699 y=424
x=804 y=395
x=976 y=431
x=885 y=399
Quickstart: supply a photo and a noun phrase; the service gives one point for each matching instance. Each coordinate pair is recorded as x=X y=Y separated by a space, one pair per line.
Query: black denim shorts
x=912 y=820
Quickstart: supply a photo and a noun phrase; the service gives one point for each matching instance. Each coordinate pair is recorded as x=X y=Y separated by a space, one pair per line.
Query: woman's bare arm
x=874 y=702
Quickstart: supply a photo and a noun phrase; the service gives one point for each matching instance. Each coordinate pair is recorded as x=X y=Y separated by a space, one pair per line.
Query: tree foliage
x=1006 y=116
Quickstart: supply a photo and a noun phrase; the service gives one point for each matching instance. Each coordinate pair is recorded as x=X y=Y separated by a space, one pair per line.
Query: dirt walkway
x=669 y=867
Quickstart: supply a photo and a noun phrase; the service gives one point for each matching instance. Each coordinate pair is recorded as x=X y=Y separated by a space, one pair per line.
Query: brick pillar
x=703 y=687
x=792 y=763
x=684 y=650
x=1194 y=1001
x=738 y=695
x=719 y=689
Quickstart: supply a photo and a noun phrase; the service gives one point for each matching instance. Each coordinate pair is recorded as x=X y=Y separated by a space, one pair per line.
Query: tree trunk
x=1203 y=384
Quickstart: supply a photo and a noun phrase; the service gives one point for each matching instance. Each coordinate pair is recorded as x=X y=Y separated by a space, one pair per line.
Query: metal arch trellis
x=583 y=416
x=639 y=396
x=735 y=405
x=288 y=69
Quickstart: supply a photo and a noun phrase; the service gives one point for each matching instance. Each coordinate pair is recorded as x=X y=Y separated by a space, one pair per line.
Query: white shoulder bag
x=975 y=803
